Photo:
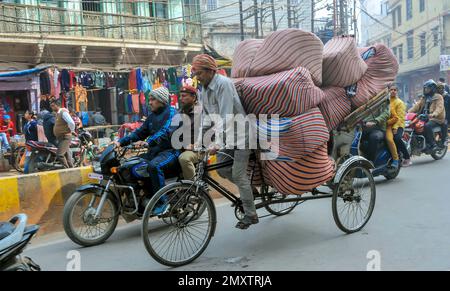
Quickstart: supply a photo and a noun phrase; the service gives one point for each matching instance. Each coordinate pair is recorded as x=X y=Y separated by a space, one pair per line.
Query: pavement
x=408 y=231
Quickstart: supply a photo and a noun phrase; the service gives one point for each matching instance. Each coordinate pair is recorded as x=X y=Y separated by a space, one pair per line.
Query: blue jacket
x=30 y=130
x=156 y=130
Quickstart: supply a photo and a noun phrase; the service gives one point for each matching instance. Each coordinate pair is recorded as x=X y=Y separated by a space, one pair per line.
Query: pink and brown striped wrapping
x=281 y=51
x=289 y=93
x=243 y=56
x=335 y=107
x=382 y=70
x=305 y=134
x=302 y=176
x=342 y=63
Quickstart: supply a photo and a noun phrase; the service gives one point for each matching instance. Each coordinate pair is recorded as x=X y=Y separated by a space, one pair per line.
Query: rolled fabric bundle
x=382 y=70
x=284 y=50
x=298 y=136
x=342 y=63
x=289 y=93
x=243 y=56
x=335 y=106
x=302 y=176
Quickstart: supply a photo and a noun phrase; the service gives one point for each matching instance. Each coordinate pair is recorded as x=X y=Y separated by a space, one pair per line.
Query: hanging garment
x=172 y=83
x=85 y=118
x=44 y=80
x=99 y=81
x=129 y=103
x=111 y=80
x=157 y=84
x=121 y=103
x=139 y=80
x=142 y=98
x=65 y=80
x=135 y=103
x=132 y=80
x=73 y=79
x=81 y=100
x=52 y=84
x=122 y=81
x=56 y=84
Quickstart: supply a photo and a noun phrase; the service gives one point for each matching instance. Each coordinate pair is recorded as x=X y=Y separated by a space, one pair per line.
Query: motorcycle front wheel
x=79 y=220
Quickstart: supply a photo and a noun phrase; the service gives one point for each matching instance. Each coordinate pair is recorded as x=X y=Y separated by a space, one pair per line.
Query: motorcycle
x=43 y=155
x=14 y=237
x=415 y=140
x=383 y=160
x=91 y=213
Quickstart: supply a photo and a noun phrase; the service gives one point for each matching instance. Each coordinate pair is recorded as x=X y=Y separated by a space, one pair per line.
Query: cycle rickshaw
x=181 y=234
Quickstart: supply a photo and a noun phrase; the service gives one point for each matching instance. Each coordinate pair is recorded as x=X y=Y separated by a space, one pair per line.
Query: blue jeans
x=163 y=161
x=4 y=141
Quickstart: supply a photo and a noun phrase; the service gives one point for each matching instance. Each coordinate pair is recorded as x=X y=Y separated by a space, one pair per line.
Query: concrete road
x=409 y=230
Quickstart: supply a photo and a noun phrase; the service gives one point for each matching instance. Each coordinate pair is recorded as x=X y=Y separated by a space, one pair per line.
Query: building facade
x=418 y=34
x=99 y=33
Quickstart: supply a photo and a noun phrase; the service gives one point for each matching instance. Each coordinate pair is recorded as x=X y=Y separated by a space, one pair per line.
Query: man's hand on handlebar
x=140 y=144
x=116 y=144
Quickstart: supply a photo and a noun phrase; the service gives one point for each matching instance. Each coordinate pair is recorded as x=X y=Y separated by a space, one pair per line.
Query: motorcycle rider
x=446 y=95
x=156 y=131
x=431 y=109
x=374 y=131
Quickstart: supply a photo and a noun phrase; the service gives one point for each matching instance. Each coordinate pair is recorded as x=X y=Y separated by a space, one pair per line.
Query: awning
x=23 y=72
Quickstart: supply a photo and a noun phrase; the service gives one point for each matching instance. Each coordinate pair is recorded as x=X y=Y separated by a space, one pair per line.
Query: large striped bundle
x=302 y=176
x=335 y=106
x=382 y=70
x=289 y=93
x=243 y=56
x=342 y=63
x=280 y=51
x=299 y=136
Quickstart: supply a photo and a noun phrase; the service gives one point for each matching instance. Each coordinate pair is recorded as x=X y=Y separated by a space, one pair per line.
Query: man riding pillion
x=219 y=97
x=156 y=131
x=431 y=109
x=446 y=96
x=375 y=131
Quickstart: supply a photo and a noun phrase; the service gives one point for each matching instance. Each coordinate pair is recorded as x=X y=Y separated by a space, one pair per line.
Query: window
x=161 y=9
x=410 y=43
x=423 y=44
x=400 y=54
x=211 y=5
x=397 y=17
x=435 y=32
x=409 y=9
x=91 y=5
x=422 y=5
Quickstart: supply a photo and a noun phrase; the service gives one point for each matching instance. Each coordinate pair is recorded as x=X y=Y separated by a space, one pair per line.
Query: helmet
x=429 y=88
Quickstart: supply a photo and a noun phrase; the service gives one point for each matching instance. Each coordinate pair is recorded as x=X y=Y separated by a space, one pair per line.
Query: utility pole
x=342 y=26
x=274 y=20
x=334 y=18
x=241 y=19
x=289 y=13
x=255 y=10
x=312 y=15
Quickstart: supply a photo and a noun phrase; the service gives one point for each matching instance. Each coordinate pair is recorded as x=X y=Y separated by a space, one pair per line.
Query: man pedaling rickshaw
x=155 y=133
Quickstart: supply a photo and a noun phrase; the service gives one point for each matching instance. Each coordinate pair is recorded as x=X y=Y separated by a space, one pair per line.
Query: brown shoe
x=247 y=221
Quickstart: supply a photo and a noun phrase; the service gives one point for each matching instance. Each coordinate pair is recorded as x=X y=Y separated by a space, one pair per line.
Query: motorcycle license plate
x=95 y=176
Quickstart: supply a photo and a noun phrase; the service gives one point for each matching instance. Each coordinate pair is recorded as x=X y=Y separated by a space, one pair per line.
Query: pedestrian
x=63 y=129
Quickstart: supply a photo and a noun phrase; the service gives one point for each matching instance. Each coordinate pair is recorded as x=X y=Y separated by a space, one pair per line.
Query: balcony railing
x=15 y=18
